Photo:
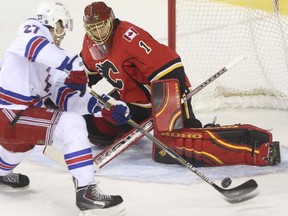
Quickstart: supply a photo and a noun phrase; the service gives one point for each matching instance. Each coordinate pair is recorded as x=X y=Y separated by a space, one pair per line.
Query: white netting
x=210 y=34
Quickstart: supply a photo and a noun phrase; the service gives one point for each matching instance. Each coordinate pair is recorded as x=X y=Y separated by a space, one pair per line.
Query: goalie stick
x=126 y=141
x=233 y=195
x=237 y=194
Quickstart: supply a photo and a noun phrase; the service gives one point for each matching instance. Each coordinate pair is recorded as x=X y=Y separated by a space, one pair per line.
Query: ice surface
x=148 y=188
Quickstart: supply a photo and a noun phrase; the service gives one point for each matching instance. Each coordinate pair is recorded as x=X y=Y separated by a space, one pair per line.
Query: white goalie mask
x=49 y=13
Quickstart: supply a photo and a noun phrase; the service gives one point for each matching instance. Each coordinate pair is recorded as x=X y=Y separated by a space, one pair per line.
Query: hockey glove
x=119 y=112
x=77 y=80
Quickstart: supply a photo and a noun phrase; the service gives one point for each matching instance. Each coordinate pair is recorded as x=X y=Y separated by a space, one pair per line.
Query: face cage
x=92 y=28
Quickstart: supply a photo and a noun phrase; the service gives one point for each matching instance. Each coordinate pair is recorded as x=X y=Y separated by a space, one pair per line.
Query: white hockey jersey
x=33 y=68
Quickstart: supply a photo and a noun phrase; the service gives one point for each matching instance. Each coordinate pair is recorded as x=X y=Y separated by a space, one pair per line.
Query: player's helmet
x=98 y=21
x=49 y=13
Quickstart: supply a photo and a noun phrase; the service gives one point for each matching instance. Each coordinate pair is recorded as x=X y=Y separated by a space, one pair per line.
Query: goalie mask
x=98 y=23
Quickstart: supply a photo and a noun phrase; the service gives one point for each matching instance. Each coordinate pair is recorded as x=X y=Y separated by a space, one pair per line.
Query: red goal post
x=208 y=34
x=172 y=24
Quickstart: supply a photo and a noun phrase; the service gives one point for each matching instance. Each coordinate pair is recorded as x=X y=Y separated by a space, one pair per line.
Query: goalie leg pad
x=226 y=145
x=166 y=105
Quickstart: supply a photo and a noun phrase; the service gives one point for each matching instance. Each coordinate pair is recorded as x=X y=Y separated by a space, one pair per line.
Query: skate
x=91 y=201
x=15 y=180
x=274 y=156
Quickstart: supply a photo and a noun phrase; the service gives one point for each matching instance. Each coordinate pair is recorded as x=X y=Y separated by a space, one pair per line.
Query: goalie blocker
x=237 y=144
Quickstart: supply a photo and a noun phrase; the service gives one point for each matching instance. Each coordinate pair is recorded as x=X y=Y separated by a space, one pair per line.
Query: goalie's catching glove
x=118 y=113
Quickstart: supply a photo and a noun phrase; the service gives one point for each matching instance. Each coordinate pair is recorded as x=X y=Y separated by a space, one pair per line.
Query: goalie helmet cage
x=208 y=34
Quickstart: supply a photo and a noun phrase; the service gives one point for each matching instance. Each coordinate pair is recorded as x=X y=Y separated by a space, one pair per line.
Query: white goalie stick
x=133 y=136
x=233 y=195
x=127 y=140
x=237 y=194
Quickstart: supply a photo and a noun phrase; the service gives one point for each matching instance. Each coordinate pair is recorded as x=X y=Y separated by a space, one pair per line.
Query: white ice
x=148 y=188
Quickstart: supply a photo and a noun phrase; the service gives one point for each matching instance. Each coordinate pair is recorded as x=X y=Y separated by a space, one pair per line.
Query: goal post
x=172 y=24
x=208 y=34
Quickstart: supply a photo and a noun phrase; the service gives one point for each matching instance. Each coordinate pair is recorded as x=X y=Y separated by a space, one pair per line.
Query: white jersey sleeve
x=34 y=42
x=67 y=99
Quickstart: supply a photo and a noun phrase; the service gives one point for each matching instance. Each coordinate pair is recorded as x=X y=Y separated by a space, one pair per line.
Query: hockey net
x=208 y=34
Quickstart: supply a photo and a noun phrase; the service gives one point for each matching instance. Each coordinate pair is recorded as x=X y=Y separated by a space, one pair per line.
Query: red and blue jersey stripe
x=8 y=98
x=79 y=159
x=64 y=93
x=6 y=166
x=34 y=46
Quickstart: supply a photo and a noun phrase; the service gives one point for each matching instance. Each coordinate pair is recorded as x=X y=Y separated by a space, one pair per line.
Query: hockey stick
x=126 y=141
x=133 y=136
x=237 y=194
x=215 y=76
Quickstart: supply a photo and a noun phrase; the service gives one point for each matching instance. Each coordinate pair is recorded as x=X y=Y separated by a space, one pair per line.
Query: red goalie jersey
x=135 y=59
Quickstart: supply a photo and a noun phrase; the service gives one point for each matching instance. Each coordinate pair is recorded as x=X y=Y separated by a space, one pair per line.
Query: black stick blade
x=241 y=193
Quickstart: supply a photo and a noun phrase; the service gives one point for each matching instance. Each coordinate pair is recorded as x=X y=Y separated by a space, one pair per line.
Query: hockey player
x=33 y=68
x=129 y=58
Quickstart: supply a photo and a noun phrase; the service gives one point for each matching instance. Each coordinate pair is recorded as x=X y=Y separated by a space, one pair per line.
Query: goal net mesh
x=211 y=33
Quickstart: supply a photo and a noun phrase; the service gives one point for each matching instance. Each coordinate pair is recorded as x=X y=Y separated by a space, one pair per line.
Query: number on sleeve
x=145 y=46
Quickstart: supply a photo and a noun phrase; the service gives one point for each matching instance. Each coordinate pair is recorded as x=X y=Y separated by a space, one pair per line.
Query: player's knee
x=71 y=126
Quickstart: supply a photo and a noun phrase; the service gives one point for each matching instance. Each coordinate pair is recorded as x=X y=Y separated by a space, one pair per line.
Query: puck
x=226 y=182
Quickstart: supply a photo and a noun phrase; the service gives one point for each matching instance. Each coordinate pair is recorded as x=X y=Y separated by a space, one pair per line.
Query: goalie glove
x=118 y=113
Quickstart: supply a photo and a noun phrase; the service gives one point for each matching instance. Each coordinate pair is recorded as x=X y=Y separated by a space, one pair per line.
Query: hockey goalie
x=213 y=145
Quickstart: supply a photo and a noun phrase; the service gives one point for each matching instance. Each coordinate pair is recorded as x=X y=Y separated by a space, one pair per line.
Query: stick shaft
x=213 y=77
x=155 y=140
x=118 y=147
x=233 y=193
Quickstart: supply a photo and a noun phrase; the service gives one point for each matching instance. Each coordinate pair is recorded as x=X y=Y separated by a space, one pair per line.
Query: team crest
x=130 y=34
